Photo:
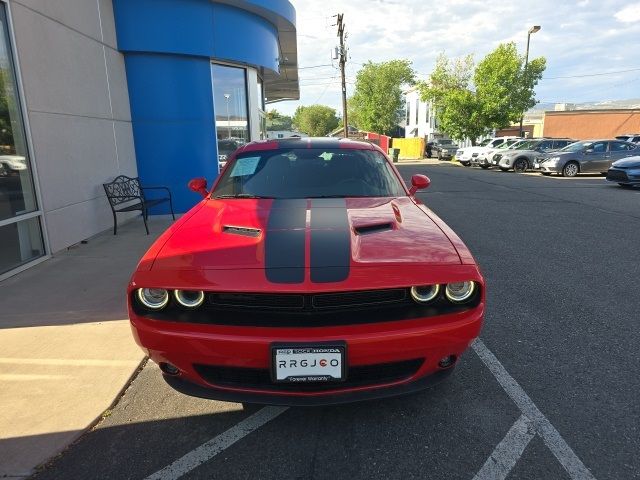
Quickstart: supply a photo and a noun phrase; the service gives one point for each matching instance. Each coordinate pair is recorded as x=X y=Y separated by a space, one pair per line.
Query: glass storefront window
x=16 y=186
x=230 y=105
x=20 y=241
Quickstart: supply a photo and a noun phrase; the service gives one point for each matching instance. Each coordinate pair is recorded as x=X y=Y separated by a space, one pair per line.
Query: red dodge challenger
x=308 y=275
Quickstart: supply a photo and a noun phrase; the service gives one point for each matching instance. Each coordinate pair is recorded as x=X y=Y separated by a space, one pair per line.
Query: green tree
x=457 y=107
x=503 y=87
x=471 y=101
x=278 y=121
x=315 y=120
x=377 y=104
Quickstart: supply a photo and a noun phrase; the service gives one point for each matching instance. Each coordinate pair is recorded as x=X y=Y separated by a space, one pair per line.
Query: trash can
x=394 y=153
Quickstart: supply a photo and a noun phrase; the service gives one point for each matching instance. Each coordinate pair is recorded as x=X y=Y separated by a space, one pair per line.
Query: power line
x=599 y=74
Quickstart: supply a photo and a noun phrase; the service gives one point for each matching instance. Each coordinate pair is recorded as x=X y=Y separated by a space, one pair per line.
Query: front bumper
x=546 y=168
x=188 y=346
x=624 y=176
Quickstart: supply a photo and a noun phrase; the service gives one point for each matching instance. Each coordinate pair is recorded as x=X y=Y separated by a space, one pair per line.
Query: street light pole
x=227 y=96
x=534 y=29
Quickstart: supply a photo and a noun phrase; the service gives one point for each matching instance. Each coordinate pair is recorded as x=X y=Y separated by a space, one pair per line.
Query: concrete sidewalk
x=66 y=350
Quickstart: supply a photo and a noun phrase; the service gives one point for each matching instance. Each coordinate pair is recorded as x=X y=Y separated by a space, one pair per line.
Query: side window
x=620 y=147
x=546 y=145
x=599 y=147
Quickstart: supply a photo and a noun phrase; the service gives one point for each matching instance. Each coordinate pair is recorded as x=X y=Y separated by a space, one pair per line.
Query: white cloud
x=628 y=14
x=573 y=39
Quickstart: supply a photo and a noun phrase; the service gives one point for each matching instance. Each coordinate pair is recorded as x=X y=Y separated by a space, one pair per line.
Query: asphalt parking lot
x=550 y=391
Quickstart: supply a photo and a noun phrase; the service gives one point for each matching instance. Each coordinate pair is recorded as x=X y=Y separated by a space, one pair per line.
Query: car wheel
x=520 y=166
x=571 y=169
x=625 y=185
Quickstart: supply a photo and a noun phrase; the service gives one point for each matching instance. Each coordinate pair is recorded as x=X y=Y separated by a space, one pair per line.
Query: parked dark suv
x=441 y=148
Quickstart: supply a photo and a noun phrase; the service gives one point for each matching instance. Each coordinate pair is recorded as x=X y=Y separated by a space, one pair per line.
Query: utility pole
x=343 y=61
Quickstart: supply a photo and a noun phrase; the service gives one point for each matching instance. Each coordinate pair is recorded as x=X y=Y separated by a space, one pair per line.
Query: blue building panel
x=168 y=47
x=260 y=49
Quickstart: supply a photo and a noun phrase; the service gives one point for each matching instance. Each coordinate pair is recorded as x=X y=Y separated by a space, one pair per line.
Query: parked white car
x=12 y=164
x=483 y=159
x=468 y=155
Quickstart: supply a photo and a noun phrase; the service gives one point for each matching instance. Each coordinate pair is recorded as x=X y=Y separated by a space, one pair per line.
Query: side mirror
x=199 y=185
x=419 y=182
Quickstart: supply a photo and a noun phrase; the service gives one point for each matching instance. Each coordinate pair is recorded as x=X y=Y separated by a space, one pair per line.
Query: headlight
x=460 y=292
x=552 y=160
x=153 y=298
x=189 y=298
x=425 y=293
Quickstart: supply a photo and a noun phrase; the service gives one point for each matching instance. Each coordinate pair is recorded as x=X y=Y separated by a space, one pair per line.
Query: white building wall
x=77 y=106
x=421 y=123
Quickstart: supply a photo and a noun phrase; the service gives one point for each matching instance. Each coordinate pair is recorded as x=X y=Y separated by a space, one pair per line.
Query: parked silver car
x=522 y=156
x=589 y=156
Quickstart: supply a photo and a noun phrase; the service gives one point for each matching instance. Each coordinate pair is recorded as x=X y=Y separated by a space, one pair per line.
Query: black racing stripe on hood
x=330 y=240
x=284 y=244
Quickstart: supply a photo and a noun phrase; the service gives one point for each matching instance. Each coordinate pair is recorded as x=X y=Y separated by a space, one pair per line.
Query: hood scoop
x=244 y=231
x=374 y=228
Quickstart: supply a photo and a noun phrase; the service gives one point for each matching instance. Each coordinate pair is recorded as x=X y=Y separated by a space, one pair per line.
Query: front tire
x=571 y=169
x=520 y=165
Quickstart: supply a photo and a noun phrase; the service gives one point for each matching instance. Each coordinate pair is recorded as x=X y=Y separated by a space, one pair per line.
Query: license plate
x=308 y=363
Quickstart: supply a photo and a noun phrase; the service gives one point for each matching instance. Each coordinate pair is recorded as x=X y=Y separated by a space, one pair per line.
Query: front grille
x=357 y=376
x=497 y=157
x=306 y=310
x=257 y=300
x=617 y=176
x=357 y=299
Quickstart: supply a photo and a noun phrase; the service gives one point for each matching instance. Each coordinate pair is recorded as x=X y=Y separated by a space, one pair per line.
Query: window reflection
x=21 y=241
x=230 y=105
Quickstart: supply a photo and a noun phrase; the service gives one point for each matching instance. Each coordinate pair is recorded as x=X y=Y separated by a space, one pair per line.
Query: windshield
x=484 y=142
x=526 y=145
x=309 y=173
x=575 y=147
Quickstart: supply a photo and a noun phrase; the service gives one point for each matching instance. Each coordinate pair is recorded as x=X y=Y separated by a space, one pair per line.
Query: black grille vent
x=246 y=231
x=356 y=299
x=617 y=175
x=257 y=300
x=380 y=227
x=357 y=376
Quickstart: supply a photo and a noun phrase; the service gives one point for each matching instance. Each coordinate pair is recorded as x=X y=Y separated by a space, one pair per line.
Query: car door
x=620 y=150
x=595 y=157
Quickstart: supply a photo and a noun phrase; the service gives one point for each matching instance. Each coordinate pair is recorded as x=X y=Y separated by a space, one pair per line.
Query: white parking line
x=508 y=451
x=552 y=439
x=218 y=444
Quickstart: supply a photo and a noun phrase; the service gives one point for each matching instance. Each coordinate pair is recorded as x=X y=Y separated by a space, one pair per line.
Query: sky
x=578 y=38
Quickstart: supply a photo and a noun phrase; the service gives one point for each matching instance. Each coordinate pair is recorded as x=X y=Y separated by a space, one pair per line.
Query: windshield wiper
x=241 y=195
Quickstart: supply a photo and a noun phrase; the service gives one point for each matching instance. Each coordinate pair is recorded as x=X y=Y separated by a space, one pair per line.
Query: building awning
x=283 y=85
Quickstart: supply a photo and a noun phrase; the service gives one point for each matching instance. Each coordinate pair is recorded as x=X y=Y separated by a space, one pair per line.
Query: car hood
x=631 y=162
x=306 y=233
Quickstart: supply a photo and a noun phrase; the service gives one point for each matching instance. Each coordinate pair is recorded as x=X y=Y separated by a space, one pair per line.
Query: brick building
x=586 y=124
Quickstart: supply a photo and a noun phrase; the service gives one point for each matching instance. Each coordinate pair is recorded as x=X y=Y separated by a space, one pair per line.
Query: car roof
x=309 y=142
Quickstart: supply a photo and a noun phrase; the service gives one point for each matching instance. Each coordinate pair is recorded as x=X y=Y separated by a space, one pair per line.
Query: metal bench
x=127 y=191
